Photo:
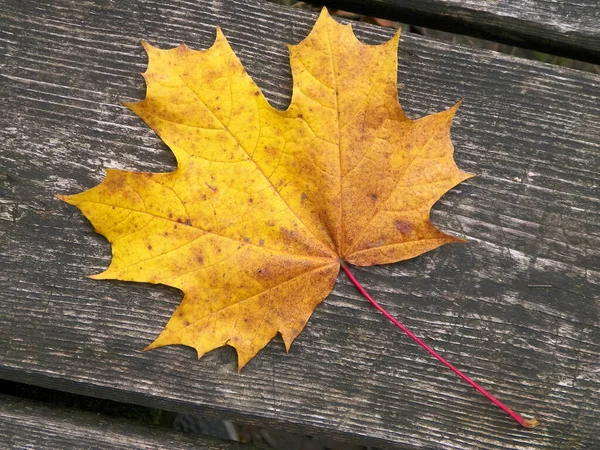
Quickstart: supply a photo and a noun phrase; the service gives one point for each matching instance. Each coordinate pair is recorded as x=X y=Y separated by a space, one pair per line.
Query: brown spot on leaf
x=149 y=247
x=272 y=151
x=115 y=183
x=263 y=273
x=373 y=197
x=303 y=198
x=378 y=243
x=403 y=226
x=288 y=235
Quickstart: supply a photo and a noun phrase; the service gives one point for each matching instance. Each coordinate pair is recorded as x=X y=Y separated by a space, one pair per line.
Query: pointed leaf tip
x=95 y=277
x=324 y=12
x=148 y=47
x=149 y=347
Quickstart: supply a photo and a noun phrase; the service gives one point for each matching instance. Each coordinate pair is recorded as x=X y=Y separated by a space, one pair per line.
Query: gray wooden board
x=566 y=28
x=530 y=131
x=29 y=424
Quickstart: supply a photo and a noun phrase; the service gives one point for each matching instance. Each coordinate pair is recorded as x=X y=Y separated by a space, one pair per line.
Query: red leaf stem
x=527 y=423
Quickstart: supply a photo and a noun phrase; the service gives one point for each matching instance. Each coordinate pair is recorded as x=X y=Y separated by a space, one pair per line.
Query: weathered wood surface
x=28 y=424
x=530 y=131
x=554 y=26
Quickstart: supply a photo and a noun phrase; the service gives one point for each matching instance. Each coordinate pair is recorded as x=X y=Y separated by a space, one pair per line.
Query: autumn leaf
x=265 y=204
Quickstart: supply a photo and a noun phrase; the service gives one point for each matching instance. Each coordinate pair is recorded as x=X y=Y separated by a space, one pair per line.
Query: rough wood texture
x=569 y=29
x=27 y=424
x=516 y=307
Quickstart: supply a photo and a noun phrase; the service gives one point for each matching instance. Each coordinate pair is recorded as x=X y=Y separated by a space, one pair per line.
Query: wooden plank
x=29 y=424
x=570 y=29
x=530 y=131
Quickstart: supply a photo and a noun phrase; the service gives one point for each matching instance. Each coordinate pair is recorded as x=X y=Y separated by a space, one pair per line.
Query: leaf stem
x=527 y=423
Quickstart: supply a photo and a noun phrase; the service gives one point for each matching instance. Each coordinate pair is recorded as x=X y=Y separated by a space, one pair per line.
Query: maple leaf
x=265 y=204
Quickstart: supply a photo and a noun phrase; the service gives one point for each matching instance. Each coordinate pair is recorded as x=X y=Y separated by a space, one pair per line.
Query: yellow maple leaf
x=264 y=204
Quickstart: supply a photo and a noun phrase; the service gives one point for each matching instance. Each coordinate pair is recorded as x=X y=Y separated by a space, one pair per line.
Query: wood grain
x=570 y=29
x=530 y=131
x=29 y=424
